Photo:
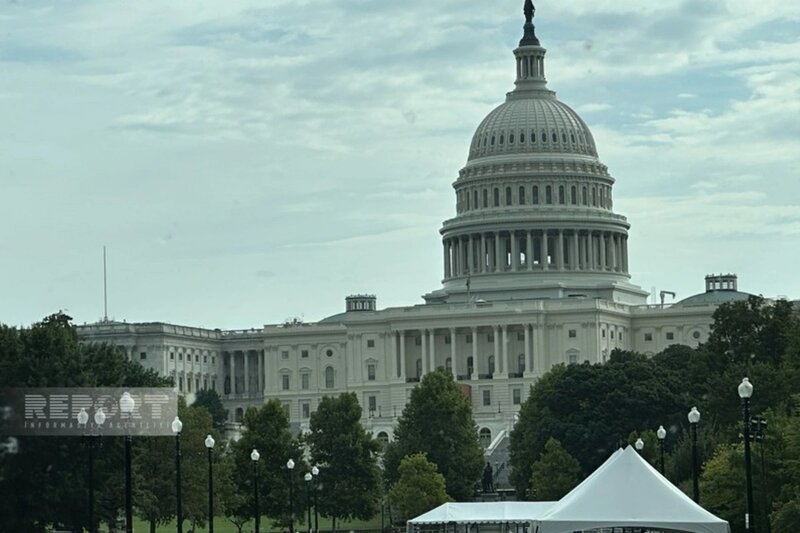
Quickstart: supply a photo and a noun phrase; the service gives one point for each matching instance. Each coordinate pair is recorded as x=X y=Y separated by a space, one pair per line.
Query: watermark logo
x=143 y=411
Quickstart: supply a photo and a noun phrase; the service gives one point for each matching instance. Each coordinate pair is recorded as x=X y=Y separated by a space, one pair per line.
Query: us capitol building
x=535 y=273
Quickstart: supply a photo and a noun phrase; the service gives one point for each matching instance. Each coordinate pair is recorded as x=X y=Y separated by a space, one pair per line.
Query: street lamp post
x=91 y=441
x=694 y=418
x=290 y=470
x=308 y=477
x=661 y=433
x=126 y=405
x=745 y=393
x=255 y=456
x=177 y=426
x=639 y=445
x=315 y=473
x=210 y=447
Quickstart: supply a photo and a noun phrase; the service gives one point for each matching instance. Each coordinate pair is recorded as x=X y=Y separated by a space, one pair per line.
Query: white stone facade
x=536 y=273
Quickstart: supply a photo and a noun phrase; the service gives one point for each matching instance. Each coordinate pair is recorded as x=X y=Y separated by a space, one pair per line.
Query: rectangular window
x=469 y=339
x=418 y=341
x=306 y=409
x=285 y=381
x=372 y=402
x=180 y=384
x=304 y=354
x=142 y=355
x=371 y=372
x=171 y=356
x=370 y=343
x=573 y=359
x=205 y=384
x=304 y=381
x=648 y=336
x=213 y=384
x=197 y=384
x=573 y=333
x=612 y=333
x=197 y=358
x=603 y=333
x=188 y=385
x=213 y=360
x=287 y=408
x=205 y=359
x=516 y=396
x=285 y=354
x=180 y=357
x=520 y=336
x=490 y=337
x=670 y=336
x=487 y=397
x=447 y=339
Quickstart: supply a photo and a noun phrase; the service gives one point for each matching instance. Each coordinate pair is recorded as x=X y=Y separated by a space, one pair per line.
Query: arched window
x=383 y=439
x=502 y=138
x=555 y=137
x=227 y=384
x=544 y=136
x=485 y=437
x=497 y=197
x=594 y=196
x=585 y=200
x=533 y=136
x=535 y=195
x=470 y=365
x=491 y=364
x=522 y=136
x=492 y=143
x=561 y=198
x=521 y=363
x=466 y=201
x=548 y=195
x=239 y=415
x=510 y=138
x=329 y=381
x=448 y=364
x=419 y=368
x=563 y=137
x=508 y=195
x=522 y=196
x=475 y=199
x=574 y=195
x=485 y=198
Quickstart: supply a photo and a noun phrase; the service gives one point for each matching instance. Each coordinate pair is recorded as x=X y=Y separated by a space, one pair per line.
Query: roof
x=626 y=491
x=716 y=297
x=484 y=512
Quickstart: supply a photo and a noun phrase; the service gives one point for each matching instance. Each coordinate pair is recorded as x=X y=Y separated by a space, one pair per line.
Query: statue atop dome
x=529 y=11
x=529 y=37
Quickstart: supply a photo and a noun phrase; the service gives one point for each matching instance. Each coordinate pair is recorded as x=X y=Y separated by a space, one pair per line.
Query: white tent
x=484 y=513
x=627 y=492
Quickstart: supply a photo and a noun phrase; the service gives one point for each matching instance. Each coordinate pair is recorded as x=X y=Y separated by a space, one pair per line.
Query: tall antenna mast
x=105 y=288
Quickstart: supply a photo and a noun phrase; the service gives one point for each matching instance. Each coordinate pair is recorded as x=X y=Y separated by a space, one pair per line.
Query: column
x=539 y=344
x=590 y=255
x=545 y=252
x=474 y=351
x=529 y=253
x=470 y=255
x=496 y=335
x=560 y=250
x=483 y=253
x=446 y=259
x=625 y=254
x=498 y=262
x=246 y=372
x=402 y=334
x=504 y=367
x=528 y=361
x=602 y=251
x=424 y=347
x=514 y=251
x=432 y=350
x=453 y=358
x=576 y=260
x=395 y=360
x=613 y=251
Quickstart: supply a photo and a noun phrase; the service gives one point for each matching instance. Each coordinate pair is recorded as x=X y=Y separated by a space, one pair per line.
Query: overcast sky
x=250 y=161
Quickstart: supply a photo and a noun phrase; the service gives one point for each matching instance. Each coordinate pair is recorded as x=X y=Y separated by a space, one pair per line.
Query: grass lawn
x=223 y=525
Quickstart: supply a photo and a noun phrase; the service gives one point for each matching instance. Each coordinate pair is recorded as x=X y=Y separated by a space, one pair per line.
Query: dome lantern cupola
x=530 y=56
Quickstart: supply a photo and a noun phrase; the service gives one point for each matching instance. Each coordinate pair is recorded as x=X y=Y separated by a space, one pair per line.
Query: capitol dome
x=534 y=208
x=535 y=123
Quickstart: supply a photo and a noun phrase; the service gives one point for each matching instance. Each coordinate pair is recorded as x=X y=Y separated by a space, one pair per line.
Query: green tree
x=210 y=400
x=154 y=483
x=53 y=469
x=722 y=485
x=267 y=430
x=591 y=408
x=419 y=488
x=349 y=475
x=437 y=421
x=197 y=424
x=554 y=474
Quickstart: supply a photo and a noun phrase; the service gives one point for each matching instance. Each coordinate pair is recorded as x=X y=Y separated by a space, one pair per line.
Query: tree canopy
x=554 y=474
x=437 y=421
x=419 y=488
